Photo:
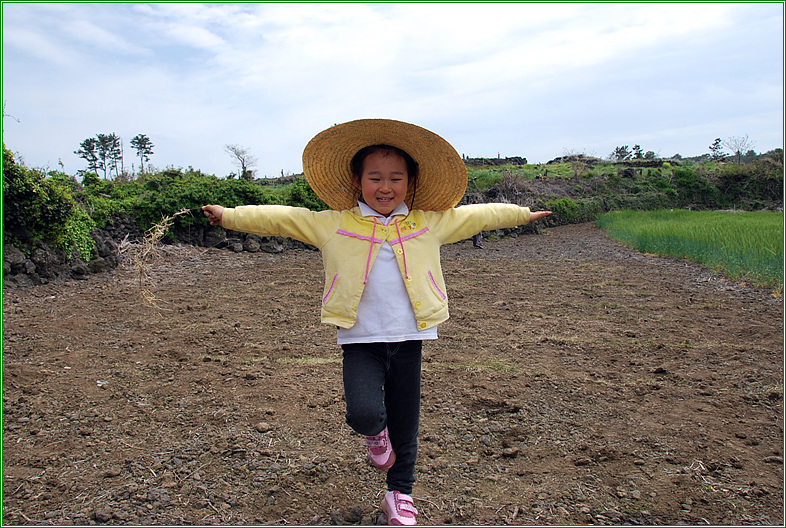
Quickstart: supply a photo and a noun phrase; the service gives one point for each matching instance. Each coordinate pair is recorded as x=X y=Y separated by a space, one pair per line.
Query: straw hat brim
x=442 y=179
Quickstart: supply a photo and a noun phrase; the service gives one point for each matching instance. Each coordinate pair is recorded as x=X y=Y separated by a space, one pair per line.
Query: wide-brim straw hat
x=442 y=179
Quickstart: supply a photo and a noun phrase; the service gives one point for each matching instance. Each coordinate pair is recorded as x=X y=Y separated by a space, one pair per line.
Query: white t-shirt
x=385 y=314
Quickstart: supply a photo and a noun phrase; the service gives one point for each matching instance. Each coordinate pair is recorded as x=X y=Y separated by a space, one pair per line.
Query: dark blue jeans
x=382 y=388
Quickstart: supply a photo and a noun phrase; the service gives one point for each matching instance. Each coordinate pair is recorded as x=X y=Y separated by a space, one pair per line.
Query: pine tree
x=88 y=150
x=716 y=150
x=144 y=149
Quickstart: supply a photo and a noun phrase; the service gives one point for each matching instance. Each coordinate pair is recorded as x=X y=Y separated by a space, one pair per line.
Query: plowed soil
x=577 y=382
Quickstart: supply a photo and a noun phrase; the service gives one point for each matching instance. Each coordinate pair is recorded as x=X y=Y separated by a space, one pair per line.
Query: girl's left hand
x=537 y=215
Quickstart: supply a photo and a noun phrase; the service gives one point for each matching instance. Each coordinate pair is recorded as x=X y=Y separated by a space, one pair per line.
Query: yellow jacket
x=349 y=244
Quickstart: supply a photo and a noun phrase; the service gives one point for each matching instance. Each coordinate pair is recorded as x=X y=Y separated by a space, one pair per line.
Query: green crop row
x=742 y=245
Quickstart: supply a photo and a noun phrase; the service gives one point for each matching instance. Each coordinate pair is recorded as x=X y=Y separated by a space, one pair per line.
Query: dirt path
x=577 y=382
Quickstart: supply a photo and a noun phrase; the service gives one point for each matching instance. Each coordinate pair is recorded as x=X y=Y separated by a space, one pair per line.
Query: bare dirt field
x=577 y=382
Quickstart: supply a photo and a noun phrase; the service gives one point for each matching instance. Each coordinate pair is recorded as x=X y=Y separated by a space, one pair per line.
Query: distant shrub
x=32 y=203
x=302 y=195
x=160 y=195
x=74 y=236
x=565 y=209
x=750 y=185
x=692 y=186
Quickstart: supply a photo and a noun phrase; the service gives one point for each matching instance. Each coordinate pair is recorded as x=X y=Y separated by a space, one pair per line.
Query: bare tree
x=578 y=161
x=244 y=160
x=738 y=146
x=9 y=115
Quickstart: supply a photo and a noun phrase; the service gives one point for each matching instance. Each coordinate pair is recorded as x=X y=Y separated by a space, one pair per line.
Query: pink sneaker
x=380 y=451
x=399 y=508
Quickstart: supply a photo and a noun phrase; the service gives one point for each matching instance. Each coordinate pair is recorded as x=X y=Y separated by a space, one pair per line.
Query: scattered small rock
x=112 y=472
x=263 y=427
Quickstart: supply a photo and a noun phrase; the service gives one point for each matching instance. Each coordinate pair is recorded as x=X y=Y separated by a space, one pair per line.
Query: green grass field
x=745 y=246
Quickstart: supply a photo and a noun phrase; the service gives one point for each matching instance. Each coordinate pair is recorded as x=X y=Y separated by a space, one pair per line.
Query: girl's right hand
x=214 y=214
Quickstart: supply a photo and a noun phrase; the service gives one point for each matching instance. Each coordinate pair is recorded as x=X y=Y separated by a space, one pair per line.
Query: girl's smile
x=384 y=182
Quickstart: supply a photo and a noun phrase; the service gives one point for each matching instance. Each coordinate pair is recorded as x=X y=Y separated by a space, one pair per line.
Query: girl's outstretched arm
x=214 y=214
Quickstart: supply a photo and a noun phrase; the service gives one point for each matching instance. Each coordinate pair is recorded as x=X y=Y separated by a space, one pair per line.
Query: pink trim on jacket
x=332 y=285
x=436 y=287
x=409 y=236
x=370 y=250
x=403 y=253
x=359 y=236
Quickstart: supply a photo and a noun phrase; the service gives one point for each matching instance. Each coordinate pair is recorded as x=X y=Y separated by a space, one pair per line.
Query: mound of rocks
x=42 y=263
x=482 y=162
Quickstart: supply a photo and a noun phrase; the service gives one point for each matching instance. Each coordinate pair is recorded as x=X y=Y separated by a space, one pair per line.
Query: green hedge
x=55 y=208
x=38 y=207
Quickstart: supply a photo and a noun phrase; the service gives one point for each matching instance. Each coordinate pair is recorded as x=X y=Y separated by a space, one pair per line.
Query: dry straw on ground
x=144 y=254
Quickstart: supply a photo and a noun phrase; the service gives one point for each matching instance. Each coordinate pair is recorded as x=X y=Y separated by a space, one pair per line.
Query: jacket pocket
x=330 y=290
x=436 y=287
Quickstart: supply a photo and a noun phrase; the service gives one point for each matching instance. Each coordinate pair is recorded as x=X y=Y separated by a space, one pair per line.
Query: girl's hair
x=359 y=159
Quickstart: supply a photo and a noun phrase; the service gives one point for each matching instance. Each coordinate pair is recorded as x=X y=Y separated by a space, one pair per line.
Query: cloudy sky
x=507 y=79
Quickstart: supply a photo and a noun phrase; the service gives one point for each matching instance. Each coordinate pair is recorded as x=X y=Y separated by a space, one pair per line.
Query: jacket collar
x=366 y=210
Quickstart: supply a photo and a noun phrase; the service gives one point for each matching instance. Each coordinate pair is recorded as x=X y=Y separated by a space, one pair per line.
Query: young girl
x=392 y=188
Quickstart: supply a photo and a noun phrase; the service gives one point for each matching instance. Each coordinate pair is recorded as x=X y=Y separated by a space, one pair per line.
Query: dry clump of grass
x=144 y=255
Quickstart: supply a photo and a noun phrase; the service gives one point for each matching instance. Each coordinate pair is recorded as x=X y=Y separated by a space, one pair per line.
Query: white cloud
x=195 y=36
x=19 y=42
x=525 y=79
x=98 y=38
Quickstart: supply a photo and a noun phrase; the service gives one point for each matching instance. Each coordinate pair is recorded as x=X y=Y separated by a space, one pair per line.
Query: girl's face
x=384 y=182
